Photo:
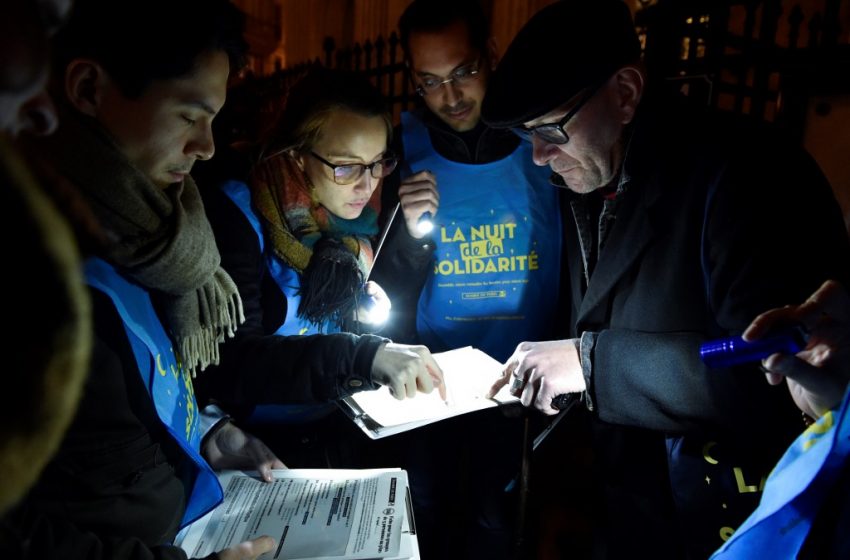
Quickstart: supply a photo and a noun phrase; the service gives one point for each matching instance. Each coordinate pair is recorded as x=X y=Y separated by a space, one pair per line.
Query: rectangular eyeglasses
x=348 y=173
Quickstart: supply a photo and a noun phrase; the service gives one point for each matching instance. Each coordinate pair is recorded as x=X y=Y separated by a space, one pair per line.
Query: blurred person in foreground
x=49 y=345
x=136 y=462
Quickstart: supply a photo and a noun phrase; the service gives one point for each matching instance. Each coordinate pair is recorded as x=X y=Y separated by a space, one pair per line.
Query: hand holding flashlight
x=419 y=200
x=818 y=375
x=735 y=350
x=425 y=223
x=375 y=305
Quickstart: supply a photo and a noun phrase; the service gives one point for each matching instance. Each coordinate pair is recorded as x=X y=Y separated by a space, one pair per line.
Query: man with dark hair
x=134 y=61
x=135 y=112
x=421 y=17
x=488 y=277
x=435 y=18
x=684 y=226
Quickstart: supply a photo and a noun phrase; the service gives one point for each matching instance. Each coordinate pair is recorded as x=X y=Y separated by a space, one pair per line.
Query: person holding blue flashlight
x=806 y=500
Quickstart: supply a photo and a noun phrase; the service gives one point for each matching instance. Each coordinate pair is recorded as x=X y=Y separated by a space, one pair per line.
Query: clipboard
x=468 y=373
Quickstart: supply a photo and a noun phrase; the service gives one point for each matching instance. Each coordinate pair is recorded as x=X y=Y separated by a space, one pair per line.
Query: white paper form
x=311 y=514
x=468 y=372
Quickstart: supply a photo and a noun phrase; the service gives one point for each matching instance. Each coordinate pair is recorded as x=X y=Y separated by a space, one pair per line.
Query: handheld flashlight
x=732 y=351
x=425 y=224
x=376 y=311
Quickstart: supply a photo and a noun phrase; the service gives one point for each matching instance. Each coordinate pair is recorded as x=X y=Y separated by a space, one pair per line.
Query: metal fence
x=762 y=58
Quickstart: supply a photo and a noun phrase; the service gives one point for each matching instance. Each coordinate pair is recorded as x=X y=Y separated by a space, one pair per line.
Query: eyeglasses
x=348 y=173
x=460 y=76
x=553 y=133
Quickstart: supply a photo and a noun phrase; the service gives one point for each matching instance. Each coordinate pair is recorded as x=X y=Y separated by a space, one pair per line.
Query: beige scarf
x=161 y=238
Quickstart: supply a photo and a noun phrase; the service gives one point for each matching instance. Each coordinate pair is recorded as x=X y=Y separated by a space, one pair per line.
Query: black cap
x=565 y=47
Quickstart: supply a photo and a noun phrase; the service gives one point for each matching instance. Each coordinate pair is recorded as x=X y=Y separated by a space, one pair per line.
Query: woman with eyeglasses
x=316 y=193
x=297 y=237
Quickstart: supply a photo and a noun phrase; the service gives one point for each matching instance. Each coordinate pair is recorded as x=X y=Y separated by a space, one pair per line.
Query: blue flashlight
x=732 y=351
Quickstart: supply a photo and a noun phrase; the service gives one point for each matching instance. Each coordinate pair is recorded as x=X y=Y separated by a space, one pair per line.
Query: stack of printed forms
x=313 y=514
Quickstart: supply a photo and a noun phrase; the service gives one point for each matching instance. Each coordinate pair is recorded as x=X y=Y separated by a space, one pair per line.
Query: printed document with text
x=312 y=514
x=468 y=372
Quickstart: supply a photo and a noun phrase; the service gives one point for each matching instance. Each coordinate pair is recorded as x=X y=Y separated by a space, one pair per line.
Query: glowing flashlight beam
x=425 y=224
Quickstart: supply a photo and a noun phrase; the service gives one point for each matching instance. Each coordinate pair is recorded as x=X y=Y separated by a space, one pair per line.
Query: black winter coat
x=717 y=223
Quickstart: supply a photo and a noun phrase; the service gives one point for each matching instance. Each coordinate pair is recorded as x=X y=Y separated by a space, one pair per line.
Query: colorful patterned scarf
x=332 y=255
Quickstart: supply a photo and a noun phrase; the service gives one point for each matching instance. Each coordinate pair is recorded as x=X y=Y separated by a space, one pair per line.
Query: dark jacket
x=402 y=266
x=715 y=223
x=258 y=367
x=113 y=489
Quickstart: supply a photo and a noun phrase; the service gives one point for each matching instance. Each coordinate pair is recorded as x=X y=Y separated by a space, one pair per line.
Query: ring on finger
x=517 y=384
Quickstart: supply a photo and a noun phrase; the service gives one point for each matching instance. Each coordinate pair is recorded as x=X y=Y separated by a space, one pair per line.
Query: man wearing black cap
x=684 y=227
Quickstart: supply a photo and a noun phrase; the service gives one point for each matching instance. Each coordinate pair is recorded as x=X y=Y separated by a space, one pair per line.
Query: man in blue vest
x=488 y=274
x=486 y=277
x=137 y=99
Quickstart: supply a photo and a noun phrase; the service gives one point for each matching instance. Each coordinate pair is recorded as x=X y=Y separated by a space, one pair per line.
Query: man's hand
x=418 y=194
x=817 y=377
x=248 y=550
x=231 y=448
x=406 y=369
x=540 y=371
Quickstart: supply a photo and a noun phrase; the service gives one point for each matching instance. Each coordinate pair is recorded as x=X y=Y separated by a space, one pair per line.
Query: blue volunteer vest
x=779 y=526
x=498 y=244
x=284 y=276
x=169 y=385
x=289 y=283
